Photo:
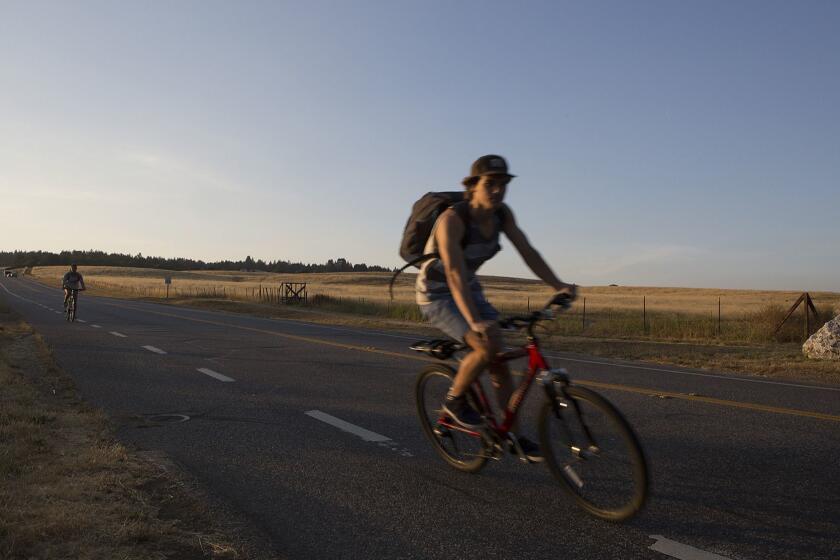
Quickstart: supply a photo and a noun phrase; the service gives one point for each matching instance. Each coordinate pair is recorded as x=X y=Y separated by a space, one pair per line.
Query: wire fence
x=590 y=316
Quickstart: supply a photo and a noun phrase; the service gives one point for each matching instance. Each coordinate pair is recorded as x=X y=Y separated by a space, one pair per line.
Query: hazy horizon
x=655 y=143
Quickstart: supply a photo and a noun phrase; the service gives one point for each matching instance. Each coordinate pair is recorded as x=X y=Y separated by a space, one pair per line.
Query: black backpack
x=424 y=214
x=418 y=228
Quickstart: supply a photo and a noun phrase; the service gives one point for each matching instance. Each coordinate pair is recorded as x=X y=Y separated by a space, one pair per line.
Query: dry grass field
x=665 y=325
x=505 y=293
x=617 y=311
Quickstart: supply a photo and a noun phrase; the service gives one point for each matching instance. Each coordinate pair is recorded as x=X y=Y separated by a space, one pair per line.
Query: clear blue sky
x=656 y=143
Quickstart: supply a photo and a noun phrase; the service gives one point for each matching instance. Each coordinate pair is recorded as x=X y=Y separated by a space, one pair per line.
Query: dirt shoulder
x=68 y=489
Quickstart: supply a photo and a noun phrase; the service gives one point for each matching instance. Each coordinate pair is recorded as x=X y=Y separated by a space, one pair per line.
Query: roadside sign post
x=167 y=280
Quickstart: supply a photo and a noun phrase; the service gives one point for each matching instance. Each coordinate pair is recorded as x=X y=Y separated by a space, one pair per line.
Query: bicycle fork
x=550 y=380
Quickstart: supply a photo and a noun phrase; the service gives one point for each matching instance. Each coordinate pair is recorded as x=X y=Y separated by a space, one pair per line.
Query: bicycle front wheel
x=462 y=450
x=594 y=453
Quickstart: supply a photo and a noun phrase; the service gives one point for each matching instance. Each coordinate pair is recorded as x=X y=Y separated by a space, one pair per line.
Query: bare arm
x=532 y=257
x=448 y=236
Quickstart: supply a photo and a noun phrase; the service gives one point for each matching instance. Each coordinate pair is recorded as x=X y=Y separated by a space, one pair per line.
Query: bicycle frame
x=71 y=302
x=563 y=425
x=536 y=364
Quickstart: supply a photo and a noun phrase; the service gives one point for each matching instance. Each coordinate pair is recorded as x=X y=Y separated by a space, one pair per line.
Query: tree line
x=101 y=258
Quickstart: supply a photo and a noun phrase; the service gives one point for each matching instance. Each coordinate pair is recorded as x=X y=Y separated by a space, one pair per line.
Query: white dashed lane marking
x=154 y=349
x=121 y=335
x=682 y=551
x=81 y=321
x=366 y=435
x=96 y=326
x=216 y=375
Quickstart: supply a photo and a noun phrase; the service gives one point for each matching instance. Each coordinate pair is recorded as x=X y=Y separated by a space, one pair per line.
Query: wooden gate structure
x=808 y=303
x=294 y=292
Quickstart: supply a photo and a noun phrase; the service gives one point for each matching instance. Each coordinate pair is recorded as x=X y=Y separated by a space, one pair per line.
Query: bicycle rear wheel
x=463 y=451
x=592 y=450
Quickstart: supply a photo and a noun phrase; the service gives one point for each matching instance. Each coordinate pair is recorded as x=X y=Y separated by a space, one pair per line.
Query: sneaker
x=461 y=412
x=530 y=449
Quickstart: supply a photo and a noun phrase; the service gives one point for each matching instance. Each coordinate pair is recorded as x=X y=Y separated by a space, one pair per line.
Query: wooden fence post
x=583 y=323
x=807 y=322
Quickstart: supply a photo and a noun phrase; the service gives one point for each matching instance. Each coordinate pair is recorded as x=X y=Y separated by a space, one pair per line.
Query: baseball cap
x=488 y=165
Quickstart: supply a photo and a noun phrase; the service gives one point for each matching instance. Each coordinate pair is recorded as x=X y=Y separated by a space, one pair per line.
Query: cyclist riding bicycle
x=451 y=298
x=72 y=280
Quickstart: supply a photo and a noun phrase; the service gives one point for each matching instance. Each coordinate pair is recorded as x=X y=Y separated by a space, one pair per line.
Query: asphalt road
x=740 y=468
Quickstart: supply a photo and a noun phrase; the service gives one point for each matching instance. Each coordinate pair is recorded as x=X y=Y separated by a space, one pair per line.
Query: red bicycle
x=587 y=443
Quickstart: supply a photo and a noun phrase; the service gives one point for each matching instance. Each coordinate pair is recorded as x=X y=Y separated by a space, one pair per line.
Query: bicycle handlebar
x=561 y=300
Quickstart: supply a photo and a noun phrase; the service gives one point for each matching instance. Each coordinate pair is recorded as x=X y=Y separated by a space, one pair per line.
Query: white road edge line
x=216 y=374
x=366 y=435
x=154 y=349
x=682 y=551
x=119 y=334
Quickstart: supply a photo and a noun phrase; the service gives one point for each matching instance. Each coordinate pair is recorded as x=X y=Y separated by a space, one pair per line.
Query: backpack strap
x=462 y=209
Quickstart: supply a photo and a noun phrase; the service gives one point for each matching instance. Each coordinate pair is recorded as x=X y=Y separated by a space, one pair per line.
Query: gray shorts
x=444 y=314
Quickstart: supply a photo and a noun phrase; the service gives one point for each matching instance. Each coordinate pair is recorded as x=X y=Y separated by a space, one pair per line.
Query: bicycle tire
x=579 y=473
x=430 y=391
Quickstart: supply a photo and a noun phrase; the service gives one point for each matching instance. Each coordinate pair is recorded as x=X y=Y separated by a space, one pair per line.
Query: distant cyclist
x=452 y=299
x=72 y=280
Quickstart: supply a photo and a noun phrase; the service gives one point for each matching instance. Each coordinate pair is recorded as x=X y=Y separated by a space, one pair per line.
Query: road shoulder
x=71 y=490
